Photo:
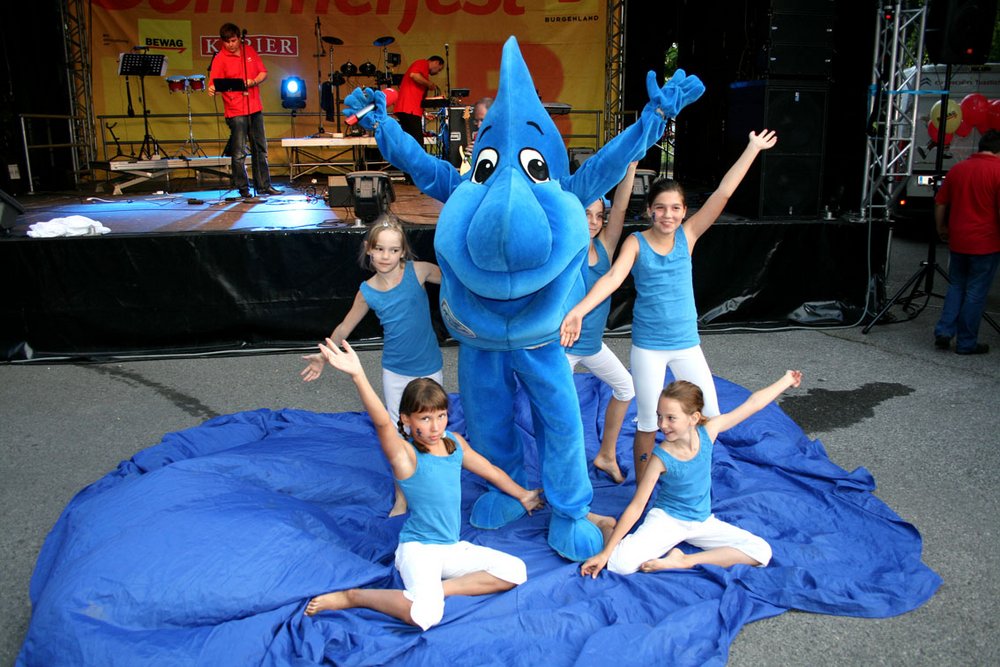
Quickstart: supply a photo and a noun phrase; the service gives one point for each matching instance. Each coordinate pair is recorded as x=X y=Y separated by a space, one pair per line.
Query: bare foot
x=328 y=602
x=601 y=521
x=610 y=467
x=606 y=524
x=674 y=560
x=399 y=506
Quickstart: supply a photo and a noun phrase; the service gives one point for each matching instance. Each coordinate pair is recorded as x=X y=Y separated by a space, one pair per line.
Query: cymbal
x=336 y=41
x=384 y=41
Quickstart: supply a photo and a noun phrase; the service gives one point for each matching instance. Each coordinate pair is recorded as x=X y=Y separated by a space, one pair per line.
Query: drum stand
x=191 y=146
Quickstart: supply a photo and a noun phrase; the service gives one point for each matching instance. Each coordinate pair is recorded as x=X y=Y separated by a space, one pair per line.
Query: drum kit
x=187 y=85
x=338 y=76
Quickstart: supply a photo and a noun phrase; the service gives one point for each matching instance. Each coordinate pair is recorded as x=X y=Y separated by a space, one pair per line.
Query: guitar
x=465 y=165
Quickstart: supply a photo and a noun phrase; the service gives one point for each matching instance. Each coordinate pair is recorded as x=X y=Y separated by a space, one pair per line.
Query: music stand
x=143 y=65
x=229 y=85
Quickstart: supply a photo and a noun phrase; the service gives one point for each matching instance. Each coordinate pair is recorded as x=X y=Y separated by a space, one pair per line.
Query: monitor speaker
x=785 y=181
x=372 y=192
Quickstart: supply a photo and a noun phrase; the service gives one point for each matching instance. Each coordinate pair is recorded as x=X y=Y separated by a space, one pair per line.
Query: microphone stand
x=320 y=53
x=447 y=75
x=246 y=96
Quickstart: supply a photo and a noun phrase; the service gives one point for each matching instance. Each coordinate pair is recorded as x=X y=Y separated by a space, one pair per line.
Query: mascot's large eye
x=486 y=164
x=534 y=165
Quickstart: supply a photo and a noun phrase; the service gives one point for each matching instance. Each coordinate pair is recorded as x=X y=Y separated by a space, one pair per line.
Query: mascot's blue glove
x=680 y=91
x=359 y=99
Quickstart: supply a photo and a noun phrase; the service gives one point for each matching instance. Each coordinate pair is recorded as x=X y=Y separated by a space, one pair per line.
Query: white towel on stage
x=74 y=225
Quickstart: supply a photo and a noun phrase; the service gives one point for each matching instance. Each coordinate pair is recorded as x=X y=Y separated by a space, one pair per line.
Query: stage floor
x=215 y=210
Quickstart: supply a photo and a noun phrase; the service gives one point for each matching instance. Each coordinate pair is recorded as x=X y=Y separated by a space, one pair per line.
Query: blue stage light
x=293 y=93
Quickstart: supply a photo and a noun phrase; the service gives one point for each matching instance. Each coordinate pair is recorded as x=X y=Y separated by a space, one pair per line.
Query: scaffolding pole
x=614 y=70
x=892 y=119
x=75 y=16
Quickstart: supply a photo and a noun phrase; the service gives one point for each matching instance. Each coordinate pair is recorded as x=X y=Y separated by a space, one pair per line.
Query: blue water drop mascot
x=511 y=242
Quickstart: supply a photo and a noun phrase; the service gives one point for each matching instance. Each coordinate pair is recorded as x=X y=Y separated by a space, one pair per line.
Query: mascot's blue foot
x=575 y=539
x=495 y=510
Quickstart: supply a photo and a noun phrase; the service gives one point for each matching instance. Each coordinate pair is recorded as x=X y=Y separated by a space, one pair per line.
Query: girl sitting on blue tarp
x=427 y=464
x=682 y=511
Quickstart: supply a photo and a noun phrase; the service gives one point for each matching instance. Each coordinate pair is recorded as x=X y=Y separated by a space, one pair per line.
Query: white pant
x=660 y=533
x=424 y=567
x=649 y=367
x=393 y=385
x=606 y=366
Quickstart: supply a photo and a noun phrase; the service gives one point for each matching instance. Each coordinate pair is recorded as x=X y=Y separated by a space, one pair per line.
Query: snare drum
x=197 y=82
x=177 y=84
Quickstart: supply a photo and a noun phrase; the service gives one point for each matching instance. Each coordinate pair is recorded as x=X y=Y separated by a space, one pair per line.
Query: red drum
x=197 y=82
x=177 y=84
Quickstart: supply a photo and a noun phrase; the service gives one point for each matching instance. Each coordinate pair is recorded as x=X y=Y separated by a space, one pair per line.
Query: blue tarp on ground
x=205 y=549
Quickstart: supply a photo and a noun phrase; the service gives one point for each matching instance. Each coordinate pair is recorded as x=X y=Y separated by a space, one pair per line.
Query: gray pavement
x=923 y=421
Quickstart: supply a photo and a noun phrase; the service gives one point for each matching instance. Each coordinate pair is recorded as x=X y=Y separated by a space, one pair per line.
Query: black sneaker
x=980 y=348
x=942 y=342
x=245 y=193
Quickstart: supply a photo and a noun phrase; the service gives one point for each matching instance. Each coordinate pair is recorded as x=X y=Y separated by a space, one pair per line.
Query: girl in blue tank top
x=590 y=350
x=664 y=316
x=396 y=294
x=682 y=510
x=427 y=461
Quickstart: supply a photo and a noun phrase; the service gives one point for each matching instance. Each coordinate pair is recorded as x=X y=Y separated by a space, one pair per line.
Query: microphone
x=390 y=98
x=243 y=36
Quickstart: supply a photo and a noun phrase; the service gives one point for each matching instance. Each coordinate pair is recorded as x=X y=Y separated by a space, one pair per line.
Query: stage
x=204 y=271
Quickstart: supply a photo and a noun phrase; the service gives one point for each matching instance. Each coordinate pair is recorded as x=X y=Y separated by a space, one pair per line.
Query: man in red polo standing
x=243 y=109
x=967 y=214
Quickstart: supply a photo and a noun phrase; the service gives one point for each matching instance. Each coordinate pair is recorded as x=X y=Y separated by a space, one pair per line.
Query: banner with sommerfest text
x=563 y=42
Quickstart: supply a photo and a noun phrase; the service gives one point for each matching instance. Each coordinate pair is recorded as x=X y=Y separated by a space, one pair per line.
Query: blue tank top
x=409 y=346
x=434 y=496
x=686 y=486
x=664 y=316
x=592 y=330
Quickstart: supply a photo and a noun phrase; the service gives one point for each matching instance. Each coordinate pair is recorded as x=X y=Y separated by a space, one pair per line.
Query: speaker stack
x=789 y=94
x=960 y=32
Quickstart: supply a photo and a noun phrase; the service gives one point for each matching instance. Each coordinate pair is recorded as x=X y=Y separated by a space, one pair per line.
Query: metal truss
x=75 y=16
x=896 y=71
x=614 y=70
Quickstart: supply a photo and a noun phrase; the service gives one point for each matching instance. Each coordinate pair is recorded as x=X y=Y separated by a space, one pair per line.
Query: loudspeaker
x=785 y=181
x=640 y=189
x=578 y=156
x=799 y=41
x=959 y=32
x=338 y=192
x=9 y=210
x=458 y=133
x=372 y=191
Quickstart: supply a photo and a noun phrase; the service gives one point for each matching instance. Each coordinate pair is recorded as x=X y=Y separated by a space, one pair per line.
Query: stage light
x=293 y=93
x=372 y=191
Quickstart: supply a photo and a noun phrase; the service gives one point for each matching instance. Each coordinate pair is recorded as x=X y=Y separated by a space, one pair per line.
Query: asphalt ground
x=923 y=421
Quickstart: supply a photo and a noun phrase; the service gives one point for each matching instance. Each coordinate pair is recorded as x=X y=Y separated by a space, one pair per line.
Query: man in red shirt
x=416 y=83
x=967 y=214
x=243 y=109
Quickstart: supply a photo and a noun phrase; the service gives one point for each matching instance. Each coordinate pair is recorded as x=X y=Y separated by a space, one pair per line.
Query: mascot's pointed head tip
x=517 y=117
x=515 y=79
